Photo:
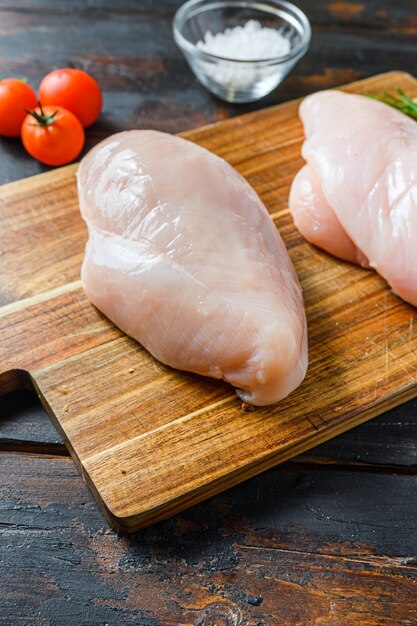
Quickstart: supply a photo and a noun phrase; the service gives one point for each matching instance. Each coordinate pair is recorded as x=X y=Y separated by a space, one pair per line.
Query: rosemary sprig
x=403 y=103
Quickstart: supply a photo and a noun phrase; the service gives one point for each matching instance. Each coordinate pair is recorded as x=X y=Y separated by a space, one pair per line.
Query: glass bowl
x=239 y=80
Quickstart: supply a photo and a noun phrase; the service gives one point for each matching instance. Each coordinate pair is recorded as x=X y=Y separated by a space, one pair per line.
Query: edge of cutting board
x=145 y=514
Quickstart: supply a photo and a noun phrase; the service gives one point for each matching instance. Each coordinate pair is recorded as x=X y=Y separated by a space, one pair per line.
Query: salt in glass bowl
x=239 y=80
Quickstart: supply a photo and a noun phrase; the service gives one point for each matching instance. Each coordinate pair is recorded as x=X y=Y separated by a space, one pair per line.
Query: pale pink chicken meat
x=357 y=195
x=183 y=256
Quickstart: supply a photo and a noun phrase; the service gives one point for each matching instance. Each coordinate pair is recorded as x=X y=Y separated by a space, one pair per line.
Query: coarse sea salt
x=250 y=42
x=246 y=43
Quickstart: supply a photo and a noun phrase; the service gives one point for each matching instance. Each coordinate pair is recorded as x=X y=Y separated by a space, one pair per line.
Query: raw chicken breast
x=357 y=195
x=183 y=256
x=315 y=218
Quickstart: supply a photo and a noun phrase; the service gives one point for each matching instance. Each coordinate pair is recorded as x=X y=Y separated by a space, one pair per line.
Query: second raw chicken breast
x=357 y=195
x=183 y=256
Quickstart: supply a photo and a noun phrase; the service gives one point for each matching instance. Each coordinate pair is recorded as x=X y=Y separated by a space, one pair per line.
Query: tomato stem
x=41 y=118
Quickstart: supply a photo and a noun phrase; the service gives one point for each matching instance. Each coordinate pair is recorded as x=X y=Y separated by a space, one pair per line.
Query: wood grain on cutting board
x=150 y=440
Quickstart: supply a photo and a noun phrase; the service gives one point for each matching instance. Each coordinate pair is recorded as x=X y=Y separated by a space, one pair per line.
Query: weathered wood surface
x=128 y=46
x=294 y=546
x=351 y=40
x=151 y=441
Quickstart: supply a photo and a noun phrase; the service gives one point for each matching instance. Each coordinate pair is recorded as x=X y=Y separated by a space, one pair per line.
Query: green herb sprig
x=403 y=103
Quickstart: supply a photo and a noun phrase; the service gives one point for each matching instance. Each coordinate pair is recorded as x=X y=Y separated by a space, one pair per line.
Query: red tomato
x=75 y=90
x=15 y=97
x=53 y=135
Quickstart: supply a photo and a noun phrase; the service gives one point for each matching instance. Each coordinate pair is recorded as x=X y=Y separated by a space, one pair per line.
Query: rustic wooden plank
x=149 y=439
x=146 y=81
x=283 y=548
x=387 y=442
x=71 y=327
x=58 y=254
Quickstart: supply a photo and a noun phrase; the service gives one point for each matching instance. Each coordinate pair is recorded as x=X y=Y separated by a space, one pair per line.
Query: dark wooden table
x=329 y=538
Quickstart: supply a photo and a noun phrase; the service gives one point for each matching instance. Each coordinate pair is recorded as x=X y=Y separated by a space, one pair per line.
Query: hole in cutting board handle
x=24 y=424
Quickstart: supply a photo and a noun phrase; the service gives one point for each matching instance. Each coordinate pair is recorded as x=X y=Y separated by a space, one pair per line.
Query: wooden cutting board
x=151 y=441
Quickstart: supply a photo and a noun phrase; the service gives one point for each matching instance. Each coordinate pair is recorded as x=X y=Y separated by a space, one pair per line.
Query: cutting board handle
x=14 y=379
